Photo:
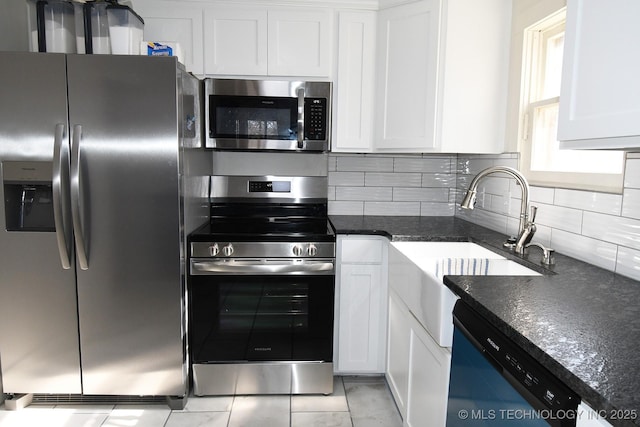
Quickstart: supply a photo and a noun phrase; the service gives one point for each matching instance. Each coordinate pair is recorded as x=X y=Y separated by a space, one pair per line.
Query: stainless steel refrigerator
x=102 y=179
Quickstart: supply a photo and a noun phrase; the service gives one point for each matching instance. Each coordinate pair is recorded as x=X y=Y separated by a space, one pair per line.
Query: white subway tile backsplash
x=365 y=164
x=541 y=195
x=589 y=201
x=436 y=209
x=494 y=185
x=331 y=192
x=434 y=164
x=485 y=218
x=628 y=263
x=332 y=163
x=402 y=194
x=542 y=235
x=497 y=203
x=393 y=179
x=472 y=165
x=631 y=203
x=593 y=251
x=614 y=229
x=392 y=208
x=632 y=173
x=380 y=194
x=340 y=207
x=353 y=179
x=438 y=180
x=566 y=219
x=599 y=228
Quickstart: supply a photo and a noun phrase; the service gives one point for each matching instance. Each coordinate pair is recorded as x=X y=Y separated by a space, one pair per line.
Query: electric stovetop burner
x=284 y=222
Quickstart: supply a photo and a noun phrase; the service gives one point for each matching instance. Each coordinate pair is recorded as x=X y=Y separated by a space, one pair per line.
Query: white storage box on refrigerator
x=125 y=29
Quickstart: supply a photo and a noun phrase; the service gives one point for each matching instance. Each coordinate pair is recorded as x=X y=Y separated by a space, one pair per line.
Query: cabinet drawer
x=367 y=251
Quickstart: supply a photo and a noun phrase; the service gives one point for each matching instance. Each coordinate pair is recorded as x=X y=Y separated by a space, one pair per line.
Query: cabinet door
x=398 y=346
x=429 y=380
x=362 y=328
x=353 y=90
x=599 y=95
x=236 y=41
x=300 y=42
x=406 y=85
x=175 y=21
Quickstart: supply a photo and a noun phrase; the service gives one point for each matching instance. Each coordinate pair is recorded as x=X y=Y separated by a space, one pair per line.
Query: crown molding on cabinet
x=336 y=4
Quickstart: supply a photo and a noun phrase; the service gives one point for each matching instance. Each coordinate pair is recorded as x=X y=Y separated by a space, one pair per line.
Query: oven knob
x=312 y=250
x=298 y=250
x=214 y=249
x=227 y=250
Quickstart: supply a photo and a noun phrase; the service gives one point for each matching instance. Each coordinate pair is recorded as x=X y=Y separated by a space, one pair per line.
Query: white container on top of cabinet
x=442 y=76
x=175 y=21
x=599 y=96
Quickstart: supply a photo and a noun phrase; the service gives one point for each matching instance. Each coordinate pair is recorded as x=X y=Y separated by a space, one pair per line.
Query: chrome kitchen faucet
x=526 y=227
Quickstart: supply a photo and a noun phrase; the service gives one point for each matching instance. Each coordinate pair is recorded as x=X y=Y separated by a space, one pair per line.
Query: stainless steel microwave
x=267 y=115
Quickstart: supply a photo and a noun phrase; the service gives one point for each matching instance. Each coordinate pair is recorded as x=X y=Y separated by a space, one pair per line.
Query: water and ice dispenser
x=28 y=201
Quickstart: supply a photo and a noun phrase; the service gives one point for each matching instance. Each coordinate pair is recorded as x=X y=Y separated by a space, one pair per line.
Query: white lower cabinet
x=361 y=305
x=417 y=369
x=429 y=366
x=398 y=353
x=588 y=417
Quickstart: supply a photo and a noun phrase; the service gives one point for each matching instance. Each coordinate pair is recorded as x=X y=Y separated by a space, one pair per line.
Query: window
x=542 y=161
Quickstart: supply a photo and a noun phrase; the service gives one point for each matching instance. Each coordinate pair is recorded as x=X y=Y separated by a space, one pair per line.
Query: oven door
x=262 y=317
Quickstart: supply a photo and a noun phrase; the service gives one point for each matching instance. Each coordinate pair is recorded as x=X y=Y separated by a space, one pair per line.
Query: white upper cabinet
x=175 y=21
x=300 y=42
x=257 y=41
x=442 y=76
x=236 y=41
x=599 y=105
x=353 y=89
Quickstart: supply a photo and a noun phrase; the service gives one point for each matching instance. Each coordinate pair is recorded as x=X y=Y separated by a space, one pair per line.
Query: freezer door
x=39 y=349
x=127 y=203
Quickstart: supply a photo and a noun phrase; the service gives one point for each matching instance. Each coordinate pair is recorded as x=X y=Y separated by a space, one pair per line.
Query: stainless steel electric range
x=261 y=288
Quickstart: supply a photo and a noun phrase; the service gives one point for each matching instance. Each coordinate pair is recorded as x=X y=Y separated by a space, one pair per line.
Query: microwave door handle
x=75 y=198
x=300 y=93
x=59 y=189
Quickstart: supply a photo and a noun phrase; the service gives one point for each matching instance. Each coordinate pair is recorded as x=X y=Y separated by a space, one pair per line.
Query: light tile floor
x=355 y=402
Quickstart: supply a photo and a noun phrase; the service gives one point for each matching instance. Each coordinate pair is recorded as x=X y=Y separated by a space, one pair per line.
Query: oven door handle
x=325 y=266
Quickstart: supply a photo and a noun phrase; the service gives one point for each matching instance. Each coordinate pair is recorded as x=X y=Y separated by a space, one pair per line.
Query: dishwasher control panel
x=534 y=382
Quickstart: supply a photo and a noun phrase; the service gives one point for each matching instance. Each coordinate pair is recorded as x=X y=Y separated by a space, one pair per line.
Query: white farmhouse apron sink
x=422 y=265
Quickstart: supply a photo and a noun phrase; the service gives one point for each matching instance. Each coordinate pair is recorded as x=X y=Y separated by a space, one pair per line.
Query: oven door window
x=253 y=117
x=261 y=318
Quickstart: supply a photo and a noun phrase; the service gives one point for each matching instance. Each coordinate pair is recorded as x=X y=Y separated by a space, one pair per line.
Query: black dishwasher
x=495 y=383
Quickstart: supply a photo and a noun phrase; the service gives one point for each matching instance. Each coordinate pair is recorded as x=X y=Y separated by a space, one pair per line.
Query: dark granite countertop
x=580 y=321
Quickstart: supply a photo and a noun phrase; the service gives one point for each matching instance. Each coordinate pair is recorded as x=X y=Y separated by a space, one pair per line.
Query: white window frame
x=533 y=69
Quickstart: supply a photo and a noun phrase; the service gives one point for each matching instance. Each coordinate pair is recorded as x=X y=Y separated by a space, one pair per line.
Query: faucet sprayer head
x=469 y=200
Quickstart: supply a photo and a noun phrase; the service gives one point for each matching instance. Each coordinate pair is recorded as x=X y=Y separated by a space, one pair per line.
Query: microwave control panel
x=315 y=113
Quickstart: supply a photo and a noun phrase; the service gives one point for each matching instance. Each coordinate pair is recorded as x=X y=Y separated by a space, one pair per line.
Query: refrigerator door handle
x=59 y=187
x=78 y=229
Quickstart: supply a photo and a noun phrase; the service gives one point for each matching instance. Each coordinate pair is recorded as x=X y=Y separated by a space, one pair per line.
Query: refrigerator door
x=125 y=194
x=39 y=346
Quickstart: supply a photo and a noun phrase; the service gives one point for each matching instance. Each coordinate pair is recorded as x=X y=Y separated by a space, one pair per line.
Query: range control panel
x=269 y=186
